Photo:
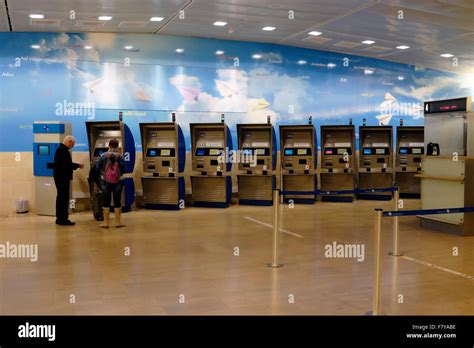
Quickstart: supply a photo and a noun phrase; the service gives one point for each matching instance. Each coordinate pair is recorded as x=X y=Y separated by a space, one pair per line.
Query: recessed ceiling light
x=219 y=52
x=220 y=24
x=447 y=55
x=368 y=72
x=401 y=78
x=35 y=47
x=331 y=65
x=88 y=47
x=104 y=18
x=156 y=19
x=302 y=62
x=314 y=33
x=268 y=28
x=368 y=42
x=256 y=56
x=36 y=16
x=128 y=48
x=403 y=47
x=179 y=50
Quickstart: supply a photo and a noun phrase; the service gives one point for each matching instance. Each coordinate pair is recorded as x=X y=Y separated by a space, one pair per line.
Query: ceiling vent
x=377 y=49
x=132 y=24
x=347 y=44
x=317 y=39
x=90 y=24
x=46 y=22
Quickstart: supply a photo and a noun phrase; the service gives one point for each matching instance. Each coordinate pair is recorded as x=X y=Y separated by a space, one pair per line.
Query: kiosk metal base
x=163 y=193
x=300 y=183
x=300 y=200
x=336 y=182
x=256 y=189
x=375 y=180
x=263 y=203
x=211 y=191
x=409 y=184
x=374 y=197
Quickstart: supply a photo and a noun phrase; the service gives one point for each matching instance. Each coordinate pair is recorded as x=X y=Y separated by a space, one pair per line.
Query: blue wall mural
x=81 y=77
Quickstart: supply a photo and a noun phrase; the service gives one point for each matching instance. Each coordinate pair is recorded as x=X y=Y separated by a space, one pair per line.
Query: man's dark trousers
x=62 y=199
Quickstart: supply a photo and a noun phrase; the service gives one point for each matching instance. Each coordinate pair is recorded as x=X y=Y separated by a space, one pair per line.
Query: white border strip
x=271 y=226
x=467 y=276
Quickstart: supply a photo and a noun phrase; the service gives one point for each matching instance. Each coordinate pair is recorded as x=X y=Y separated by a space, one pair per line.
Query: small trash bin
x=21 y=206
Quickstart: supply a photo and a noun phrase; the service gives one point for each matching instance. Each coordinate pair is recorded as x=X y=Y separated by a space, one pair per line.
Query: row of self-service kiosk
x=164 y=158
x=212 y=153
x=446 y=174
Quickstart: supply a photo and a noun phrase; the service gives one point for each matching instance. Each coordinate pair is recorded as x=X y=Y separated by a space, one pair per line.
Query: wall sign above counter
x=448 y=105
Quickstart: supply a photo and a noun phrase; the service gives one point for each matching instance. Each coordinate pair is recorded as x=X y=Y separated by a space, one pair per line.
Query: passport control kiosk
x=212 y=185
x=99 y=134
x=257 y=164
x=338 y=161
x=409 y=151
x=298 y=153
x=164 y=159
x=375 y=161
x=48 y=135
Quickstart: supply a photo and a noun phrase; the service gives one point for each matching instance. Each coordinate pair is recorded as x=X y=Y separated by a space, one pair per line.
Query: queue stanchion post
x=281 y=198
x=276 y=231
x=396 y=225
x=376 y=302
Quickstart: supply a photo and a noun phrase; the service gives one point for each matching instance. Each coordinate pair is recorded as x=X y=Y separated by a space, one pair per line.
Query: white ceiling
x=429 y=27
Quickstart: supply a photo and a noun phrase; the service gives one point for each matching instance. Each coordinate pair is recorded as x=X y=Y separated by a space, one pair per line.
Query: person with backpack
x=111 y=167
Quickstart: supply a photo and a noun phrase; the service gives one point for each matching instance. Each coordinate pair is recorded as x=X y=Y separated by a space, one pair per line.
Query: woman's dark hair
x=113 y=143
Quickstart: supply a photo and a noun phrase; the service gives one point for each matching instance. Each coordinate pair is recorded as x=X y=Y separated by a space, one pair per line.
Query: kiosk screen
x=43 y=150
x=99 y=151
x=152 y=153
x=303 y=152
x=341 y=151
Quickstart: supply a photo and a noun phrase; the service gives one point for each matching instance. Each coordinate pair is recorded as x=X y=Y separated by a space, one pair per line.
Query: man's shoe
x=66 y=223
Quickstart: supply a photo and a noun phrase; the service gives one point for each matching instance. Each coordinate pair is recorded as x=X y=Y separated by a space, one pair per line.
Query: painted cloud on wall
x=290 y=94
x=200 y=85
x=424 y=89
x=390 y=107
x=231 y=98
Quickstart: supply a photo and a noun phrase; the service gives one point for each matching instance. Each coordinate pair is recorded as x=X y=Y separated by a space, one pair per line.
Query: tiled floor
x=192 y=253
